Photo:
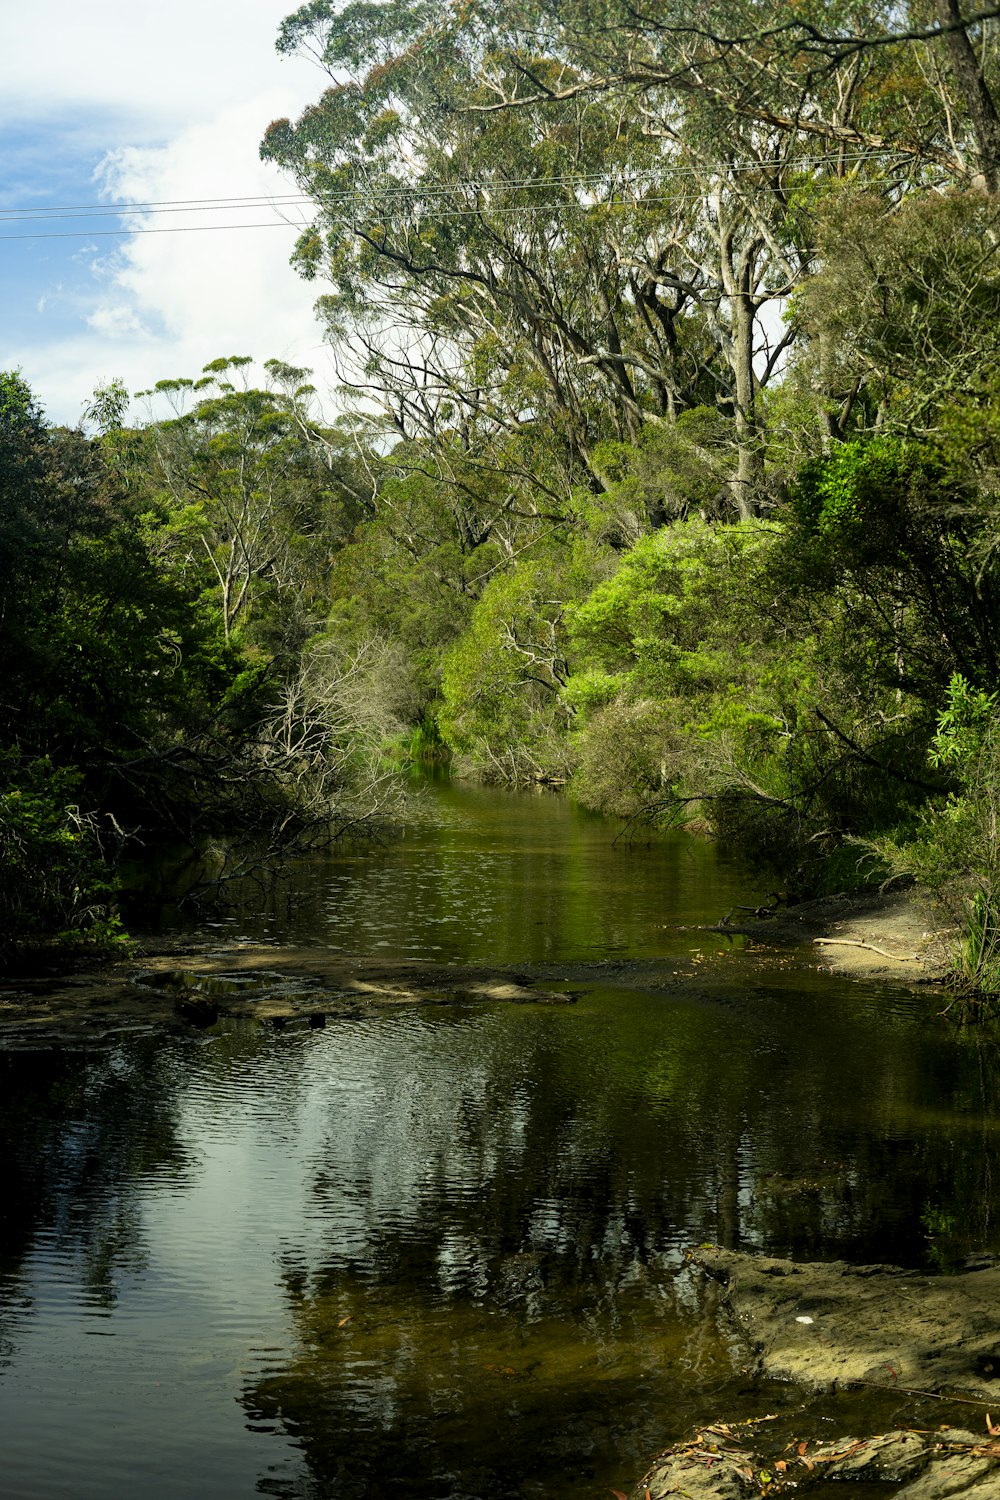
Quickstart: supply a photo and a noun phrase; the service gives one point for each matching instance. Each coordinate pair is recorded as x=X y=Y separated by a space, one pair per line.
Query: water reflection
x=79 y=1135
x=440 y=1252
x=491 y=1271
x=443 y=1250
x=485 y=876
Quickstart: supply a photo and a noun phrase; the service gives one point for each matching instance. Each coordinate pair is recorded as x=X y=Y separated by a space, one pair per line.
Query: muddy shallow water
x=439 y=1252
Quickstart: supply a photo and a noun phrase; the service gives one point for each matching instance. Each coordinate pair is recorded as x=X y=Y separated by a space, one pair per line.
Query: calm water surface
x=439 y=1252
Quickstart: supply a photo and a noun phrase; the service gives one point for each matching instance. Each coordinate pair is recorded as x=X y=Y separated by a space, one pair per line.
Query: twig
x=908 y=1390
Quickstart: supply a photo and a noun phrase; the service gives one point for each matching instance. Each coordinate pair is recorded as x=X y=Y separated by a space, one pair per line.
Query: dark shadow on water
x=439 y=1253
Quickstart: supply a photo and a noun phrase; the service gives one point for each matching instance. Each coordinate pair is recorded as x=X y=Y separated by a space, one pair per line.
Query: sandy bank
x=898 y=935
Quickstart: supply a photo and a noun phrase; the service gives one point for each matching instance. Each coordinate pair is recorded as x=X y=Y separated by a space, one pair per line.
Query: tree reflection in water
x=80 y=1134
x=491 y=1296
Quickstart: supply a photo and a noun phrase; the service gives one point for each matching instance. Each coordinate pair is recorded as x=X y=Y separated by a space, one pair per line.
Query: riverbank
x=895 y=935
x=925 y=1343
x=890 y=938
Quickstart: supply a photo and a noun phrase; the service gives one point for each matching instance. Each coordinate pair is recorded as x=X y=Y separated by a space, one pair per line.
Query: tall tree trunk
x=974 y=93
x=748 y=480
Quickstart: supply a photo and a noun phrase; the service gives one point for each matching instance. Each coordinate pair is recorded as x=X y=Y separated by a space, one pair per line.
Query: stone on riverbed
x=712 y=1466
x=836 y=1324
x=719 y=1463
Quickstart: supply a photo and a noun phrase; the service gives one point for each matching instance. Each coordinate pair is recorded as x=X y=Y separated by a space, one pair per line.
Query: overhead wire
x=391 y=187
x=403 y=194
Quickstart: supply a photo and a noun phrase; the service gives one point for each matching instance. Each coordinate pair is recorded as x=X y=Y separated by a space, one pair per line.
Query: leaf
x=781 y=1466
x=991 y=1427
x=619 y=1495
x=344 y=1321
x=801 y=1449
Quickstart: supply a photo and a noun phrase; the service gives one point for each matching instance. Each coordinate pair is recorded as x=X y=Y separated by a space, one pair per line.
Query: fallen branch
x=900 y=958
x=909 y=1390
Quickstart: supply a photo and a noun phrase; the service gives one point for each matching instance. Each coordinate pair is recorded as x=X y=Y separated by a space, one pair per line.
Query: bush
x=956 y=852
x=57 y=864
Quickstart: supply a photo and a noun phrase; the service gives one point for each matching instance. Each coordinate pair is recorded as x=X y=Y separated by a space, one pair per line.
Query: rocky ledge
x=280 y=988
x=931 y=1340
x=836 y=1324
x=723 y=1462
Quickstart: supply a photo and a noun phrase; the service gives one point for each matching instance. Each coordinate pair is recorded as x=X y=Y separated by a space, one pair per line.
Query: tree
x=261 y=494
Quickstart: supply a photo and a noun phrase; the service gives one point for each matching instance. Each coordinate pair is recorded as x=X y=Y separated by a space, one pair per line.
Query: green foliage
x=548 y=276
x=56 y=861
x=956 y=848
x=107 y=407
x=964 y=725
x=662 y=475
x=856 y=499
x=629 y=757
x=581 y=384
x=907 y=300
x=716 y=666
x=892 y=525
x=148 y=685
x=502 y=707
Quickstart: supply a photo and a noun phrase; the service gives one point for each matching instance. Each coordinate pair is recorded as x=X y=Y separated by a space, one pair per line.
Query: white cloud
x=189 y=90
x=115 y=322
x=219 y=290
x=154 y=63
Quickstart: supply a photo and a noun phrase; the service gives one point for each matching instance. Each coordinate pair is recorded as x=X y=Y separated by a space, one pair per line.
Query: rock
x=719 y=1465
x=875 y=1325
x=954 y=1475
x=890 y=1456
x=710 y=1467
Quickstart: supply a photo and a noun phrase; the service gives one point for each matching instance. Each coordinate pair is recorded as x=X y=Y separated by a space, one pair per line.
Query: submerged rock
x=836 y=1324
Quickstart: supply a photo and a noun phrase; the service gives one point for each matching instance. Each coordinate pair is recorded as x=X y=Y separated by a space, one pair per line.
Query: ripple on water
x=440 y=1252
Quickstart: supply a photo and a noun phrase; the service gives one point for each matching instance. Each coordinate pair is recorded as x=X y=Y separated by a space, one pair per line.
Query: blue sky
x=115 y=104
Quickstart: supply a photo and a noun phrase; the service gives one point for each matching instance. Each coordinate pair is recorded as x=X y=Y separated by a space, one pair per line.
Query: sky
x=127 y=102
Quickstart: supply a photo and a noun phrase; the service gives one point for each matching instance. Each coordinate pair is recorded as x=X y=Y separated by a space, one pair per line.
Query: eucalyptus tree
x=491 y=259
x=261 y=494
x=581 y=215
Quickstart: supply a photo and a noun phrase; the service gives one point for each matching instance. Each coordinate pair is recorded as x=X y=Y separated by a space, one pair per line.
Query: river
x=440 y=1252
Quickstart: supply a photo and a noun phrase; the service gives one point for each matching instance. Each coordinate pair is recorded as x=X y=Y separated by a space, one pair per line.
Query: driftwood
x=900 y=958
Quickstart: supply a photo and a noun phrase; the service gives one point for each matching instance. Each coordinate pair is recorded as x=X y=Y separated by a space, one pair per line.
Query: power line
x=96 y=234
x=429 y=189
x=177 y=204
x=406 y=196
x=28 y=216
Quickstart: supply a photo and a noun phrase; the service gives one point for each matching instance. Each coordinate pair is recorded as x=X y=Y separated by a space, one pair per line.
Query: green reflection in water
x=486 y=876
x=487 y=1397
x=441 y=1252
